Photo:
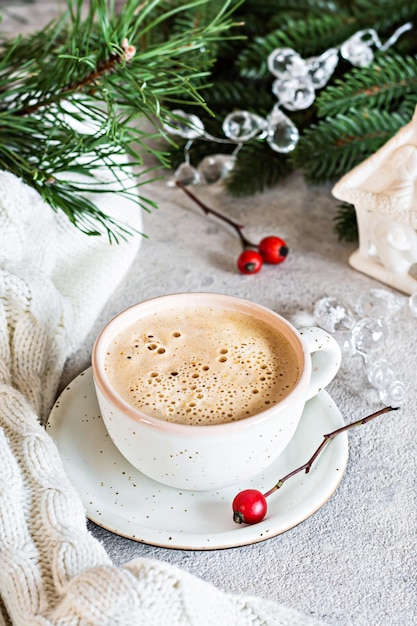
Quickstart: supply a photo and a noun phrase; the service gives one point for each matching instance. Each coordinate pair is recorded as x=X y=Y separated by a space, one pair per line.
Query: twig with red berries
x=250 y=506
x=270 y=249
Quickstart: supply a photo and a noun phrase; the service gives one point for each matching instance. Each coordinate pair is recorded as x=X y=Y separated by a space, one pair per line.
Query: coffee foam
x=201 y=366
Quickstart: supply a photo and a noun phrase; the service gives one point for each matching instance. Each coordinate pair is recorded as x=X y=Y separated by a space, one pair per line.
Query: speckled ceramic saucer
x=119 y=498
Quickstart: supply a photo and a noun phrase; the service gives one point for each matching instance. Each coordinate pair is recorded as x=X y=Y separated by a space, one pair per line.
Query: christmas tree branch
x=74 y=96
x=109 y=65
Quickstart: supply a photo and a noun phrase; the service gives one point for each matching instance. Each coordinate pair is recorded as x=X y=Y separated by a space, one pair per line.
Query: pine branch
x=235 y=94
x=407 y=107
x=71 y=96
x=383 y=84
x=257 y=169
x=385 y=14
x=335 y=145
x=346 y=225
x=306 y=37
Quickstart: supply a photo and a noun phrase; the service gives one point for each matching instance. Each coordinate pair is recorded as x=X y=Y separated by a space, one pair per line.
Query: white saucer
x=124 y=501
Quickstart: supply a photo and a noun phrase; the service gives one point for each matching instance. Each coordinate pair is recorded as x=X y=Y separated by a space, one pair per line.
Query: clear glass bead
x=380 y=373
x=344 y=339
x=357 y=49
x=395 y=395
x=369 y=335
x=294 y=93
x=321 y=68
x=184 y=125
x=372 y=396
x=378 y=303
x=216 y=167
x=282 y=133
x=333 y=314
x=286 y=62
x=243 y=125
x=187 y=174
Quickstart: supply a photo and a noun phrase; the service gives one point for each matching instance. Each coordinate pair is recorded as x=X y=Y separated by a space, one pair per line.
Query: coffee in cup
x=201 y=365
x=201 y=391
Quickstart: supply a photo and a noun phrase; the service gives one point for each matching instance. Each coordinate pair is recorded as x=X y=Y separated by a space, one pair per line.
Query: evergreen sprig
x=382 y=85
x=72 y=96
x=346 y=225
x=259 y=168
x=335 y=145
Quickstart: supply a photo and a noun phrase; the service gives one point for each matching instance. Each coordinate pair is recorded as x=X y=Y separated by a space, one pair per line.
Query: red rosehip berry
x=249 y=262
x=249 y=507
x=273 y=250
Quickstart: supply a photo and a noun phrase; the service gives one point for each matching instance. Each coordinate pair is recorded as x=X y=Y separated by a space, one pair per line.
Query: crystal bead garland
x=215 y=167
x=295 y=83
x=296 y=79
x=363 y=333
x=187 y=126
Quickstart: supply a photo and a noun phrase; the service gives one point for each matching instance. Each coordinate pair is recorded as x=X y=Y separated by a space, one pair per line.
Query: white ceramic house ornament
x=383 y=190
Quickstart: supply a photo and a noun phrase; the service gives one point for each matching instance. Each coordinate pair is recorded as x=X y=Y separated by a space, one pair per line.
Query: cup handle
x=326 y=357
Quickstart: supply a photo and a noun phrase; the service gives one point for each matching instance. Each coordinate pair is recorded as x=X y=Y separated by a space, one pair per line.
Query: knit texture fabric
x=53 y=282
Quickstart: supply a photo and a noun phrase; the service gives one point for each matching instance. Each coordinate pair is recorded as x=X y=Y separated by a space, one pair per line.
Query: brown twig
x=207 y=210
x=90 y=79
x=307 y=466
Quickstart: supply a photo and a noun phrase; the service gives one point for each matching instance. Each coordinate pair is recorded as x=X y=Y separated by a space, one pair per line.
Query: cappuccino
x=202 y=365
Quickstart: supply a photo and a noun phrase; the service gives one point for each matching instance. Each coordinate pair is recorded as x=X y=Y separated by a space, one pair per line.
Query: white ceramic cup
x=207 y=457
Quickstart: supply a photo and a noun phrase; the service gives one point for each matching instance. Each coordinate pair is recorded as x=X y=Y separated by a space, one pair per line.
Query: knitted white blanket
x=53 y=283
